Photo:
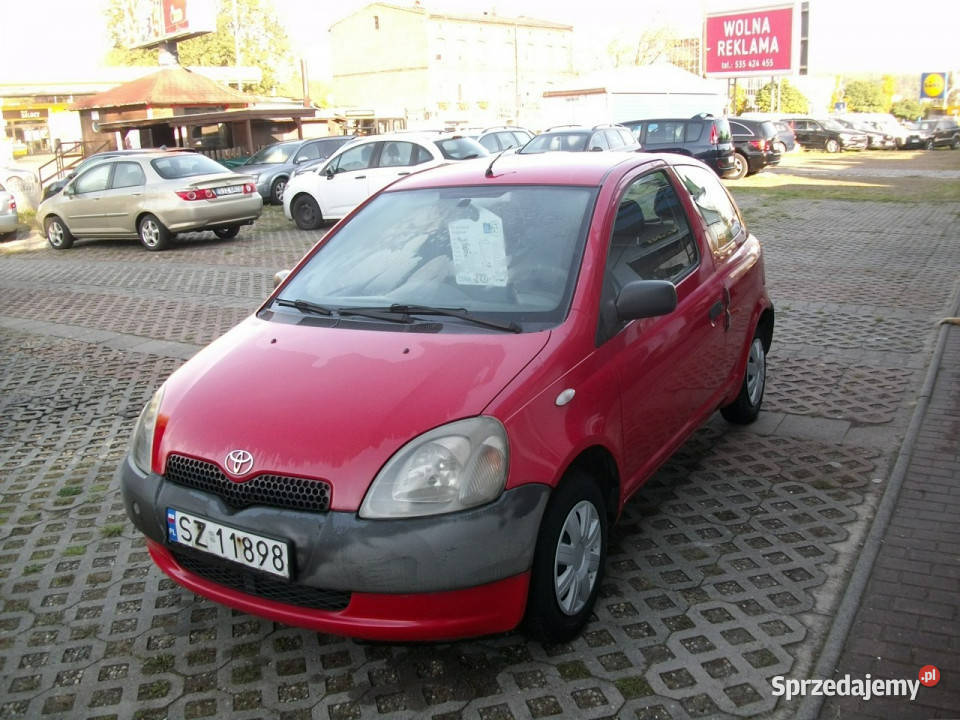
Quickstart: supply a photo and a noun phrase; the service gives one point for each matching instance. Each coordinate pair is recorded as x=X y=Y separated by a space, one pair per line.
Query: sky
x=846 y=36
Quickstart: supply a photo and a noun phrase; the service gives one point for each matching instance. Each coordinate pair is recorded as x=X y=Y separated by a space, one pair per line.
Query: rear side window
x=668 y=132
x=128 y=174
x=715 y=206
x=739 y=129
x=768 y=129
x=694 y=130
x=490 y=142
x=396 y=154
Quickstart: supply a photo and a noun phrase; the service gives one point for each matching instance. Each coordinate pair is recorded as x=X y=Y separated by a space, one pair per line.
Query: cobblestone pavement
x=724 y=571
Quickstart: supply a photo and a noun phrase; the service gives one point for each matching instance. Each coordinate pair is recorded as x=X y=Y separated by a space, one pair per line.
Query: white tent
x=633 y=93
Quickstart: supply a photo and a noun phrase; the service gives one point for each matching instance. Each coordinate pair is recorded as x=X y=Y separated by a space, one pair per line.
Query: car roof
x=588 y=169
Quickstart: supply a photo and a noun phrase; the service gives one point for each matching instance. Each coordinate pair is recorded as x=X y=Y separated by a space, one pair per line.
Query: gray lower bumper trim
x=340 y=551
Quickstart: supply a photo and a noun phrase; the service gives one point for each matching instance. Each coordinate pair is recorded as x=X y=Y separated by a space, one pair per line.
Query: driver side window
x=356 y=158
x=93 y=180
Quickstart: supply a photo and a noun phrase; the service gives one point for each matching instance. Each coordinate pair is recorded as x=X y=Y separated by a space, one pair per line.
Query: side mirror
x=279 y=277
x=68 y=190
x=329 y=173
x=596 y=149
x=646 y=298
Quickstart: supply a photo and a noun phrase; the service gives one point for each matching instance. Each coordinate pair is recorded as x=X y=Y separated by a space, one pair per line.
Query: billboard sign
x=933 y=86
x=160 y=21
x=749 y=42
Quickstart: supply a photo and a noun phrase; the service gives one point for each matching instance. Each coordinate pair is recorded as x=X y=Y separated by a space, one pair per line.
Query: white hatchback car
x=358 y=170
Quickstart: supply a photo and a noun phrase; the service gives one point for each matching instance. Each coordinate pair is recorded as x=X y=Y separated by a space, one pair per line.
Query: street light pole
x=236 y=44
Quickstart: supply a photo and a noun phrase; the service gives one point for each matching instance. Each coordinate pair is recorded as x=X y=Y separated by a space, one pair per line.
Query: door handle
x=403 y=173
x=359 y=177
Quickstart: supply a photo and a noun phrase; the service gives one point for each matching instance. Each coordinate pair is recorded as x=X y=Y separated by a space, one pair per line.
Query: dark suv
x=704 y=137
x=577 y=138
x=827 y=134
x=755 y=145
x=941 y=132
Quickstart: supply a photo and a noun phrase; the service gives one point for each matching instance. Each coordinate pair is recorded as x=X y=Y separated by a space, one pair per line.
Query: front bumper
x=438 y=577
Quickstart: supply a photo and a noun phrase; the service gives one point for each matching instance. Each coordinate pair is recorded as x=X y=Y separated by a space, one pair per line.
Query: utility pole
x=236 y=43
x=516 y=76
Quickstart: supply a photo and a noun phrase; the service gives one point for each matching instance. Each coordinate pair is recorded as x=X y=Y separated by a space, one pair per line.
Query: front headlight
x=141 y=445
x=453 y=467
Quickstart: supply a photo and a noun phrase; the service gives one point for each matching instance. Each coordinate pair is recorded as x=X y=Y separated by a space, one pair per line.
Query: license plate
x=229 y=190
x=239 y=546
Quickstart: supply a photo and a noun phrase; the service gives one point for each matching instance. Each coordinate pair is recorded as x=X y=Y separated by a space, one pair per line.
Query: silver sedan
x=151 y=197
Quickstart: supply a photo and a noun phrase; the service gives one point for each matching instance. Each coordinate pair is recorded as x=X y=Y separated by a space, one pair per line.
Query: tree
x=864 y=96
x=907 y=109
x=791 y=99
x=261 y=40
x=650 y=46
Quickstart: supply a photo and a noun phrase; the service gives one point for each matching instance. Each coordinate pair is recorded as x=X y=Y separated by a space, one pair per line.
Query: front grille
x=236 y=577
x=279 y=491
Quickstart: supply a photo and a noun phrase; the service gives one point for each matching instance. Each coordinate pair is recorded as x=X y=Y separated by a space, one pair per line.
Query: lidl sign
x=933 y=86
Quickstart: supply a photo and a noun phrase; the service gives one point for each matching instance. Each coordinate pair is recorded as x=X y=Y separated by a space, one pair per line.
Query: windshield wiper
x=461 y=313
x=305 y=306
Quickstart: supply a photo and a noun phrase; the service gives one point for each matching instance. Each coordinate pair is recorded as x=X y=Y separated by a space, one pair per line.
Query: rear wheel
x=780 y=147
x=569 y=559
x=227 y=232
x=955 y=145
x=833 y=146
x=58 y=235
x=153 y=234
x=306 y=212
x=746 y=407
x=741 y=166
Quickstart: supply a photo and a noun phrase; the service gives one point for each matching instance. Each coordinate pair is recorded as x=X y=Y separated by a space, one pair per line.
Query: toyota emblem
x=239 y=462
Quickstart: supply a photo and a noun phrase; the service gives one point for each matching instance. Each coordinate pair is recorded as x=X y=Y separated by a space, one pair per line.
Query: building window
x=376 y=22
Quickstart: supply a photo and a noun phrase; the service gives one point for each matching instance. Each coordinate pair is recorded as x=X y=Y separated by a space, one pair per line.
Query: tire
x=561 y=600
x=153 y=235
x=58 y=235
x=746 y=407
x=928 y=145
x=832 y=146
x=955 y=144
x=227 y=232
x=276 y=190
x=306 y=212
x=741 y=166
x=780 y=147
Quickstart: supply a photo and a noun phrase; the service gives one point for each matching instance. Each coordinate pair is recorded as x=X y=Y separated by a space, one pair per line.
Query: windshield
x=272 y=154
x=832 y=125
x=502 y=253
x=460 y=148
x=928 y=125
x=570 y=141
x=181 y=166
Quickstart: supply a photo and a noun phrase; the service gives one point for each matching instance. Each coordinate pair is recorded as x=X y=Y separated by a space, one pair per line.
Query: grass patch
x=32 y=569
x=69 y=491
x=74 y=550
x=112 y=530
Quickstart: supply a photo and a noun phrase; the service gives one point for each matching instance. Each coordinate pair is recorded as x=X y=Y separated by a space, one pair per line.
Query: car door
x=659 y=360
x=725 y=233
x=801 y=131
x=346 y=183
x=120 y=203
x=82 y=208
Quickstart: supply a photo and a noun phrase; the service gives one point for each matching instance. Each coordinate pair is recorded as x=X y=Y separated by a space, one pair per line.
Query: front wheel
x=306 y=212
x=58 y=235
x=746 y=407
x=928 y=145
x=569 y=559
x=955 y=144
x=153 y=234
x=276 y=190
x=833 y=146
x=227 y=232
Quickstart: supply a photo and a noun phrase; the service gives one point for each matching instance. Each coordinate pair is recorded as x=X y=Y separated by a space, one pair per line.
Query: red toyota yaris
x=427 y=429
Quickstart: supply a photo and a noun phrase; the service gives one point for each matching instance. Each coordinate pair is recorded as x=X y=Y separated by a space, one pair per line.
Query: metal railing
x=67 y=156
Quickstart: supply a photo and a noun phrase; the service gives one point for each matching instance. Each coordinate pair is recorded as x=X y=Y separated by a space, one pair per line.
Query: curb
x=850 y=604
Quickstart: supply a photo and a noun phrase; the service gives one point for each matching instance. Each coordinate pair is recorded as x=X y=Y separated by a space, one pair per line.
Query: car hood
x=331 y=403
x=260 y=168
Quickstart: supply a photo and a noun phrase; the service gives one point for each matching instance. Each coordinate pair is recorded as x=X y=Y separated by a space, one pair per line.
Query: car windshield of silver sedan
x=460 y=148
x=503 y=254
x=572 y=142
x=181 y=166
x=271 y=155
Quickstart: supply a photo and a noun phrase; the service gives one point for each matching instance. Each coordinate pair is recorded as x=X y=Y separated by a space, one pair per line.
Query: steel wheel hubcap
x=756 y=372
x=577 y=559
x=150 y=233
